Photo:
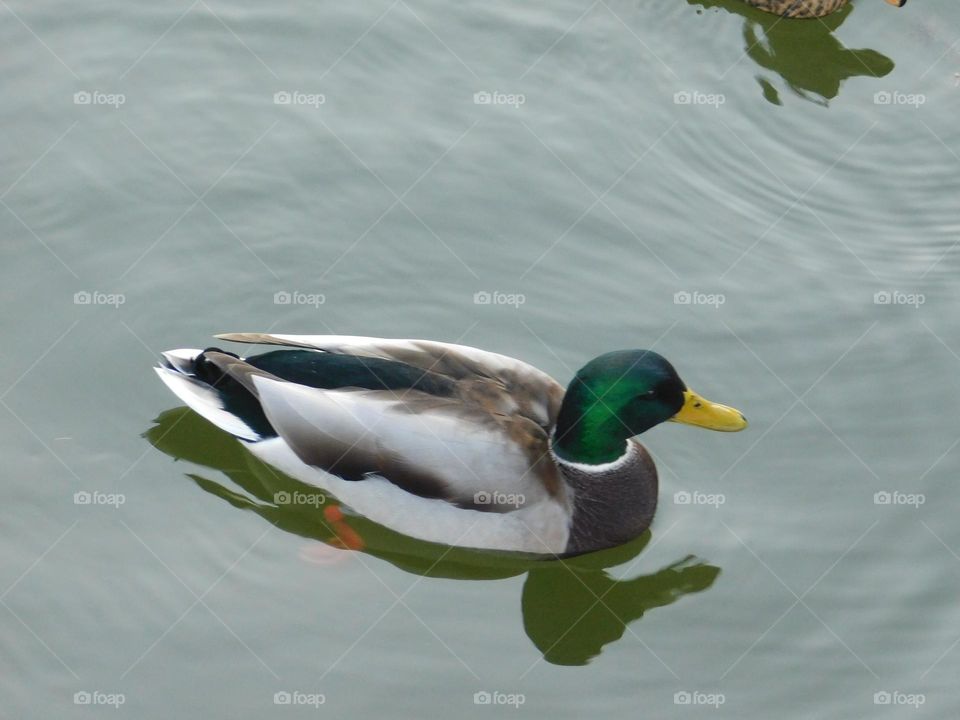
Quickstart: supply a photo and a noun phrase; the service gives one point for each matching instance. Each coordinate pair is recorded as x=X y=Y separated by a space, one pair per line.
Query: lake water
x=771 y=205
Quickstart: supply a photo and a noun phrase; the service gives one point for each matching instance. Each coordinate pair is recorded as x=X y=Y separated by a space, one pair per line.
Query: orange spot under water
x=333 y=513
x=328 y=552
x=346 y=537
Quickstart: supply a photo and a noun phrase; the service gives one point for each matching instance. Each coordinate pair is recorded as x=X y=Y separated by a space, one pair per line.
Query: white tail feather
x=181 y=360
x=202 y=399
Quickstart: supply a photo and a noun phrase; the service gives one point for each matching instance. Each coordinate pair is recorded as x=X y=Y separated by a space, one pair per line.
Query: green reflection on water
x=804 y=53
x=571 y=607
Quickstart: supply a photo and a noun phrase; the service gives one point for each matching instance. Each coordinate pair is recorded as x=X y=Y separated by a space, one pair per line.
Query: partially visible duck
x=805 y=8
x=448 y=443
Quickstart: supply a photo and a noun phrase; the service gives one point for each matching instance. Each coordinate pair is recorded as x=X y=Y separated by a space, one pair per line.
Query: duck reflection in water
x=803 y=52
x=571 y=608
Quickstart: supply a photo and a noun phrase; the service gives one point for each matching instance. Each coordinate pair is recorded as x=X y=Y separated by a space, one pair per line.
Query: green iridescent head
x=625 y=393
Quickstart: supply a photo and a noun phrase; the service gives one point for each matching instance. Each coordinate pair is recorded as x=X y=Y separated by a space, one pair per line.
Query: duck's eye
x=648 y=394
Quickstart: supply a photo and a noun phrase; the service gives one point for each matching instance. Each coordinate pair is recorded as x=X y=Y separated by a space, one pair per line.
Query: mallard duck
x=805 y=8
x=448 y=443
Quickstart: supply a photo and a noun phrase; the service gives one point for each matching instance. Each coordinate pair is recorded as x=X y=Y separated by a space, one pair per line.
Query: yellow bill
x=703 y=413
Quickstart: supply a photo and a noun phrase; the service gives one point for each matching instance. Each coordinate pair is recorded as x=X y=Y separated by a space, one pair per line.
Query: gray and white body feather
x=471 y=467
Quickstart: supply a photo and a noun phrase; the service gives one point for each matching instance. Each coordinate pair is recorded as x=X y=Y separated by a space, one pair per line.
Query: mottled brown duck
x=805 y=8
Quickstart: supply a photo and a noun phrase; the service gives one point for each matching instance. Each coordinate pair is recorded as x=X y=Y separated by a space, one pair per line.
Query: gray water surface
x=772 y=205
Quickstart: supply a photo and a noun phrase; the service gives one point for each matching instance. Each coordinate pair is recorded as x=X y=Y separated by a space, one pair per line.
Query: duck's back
x=798 y=8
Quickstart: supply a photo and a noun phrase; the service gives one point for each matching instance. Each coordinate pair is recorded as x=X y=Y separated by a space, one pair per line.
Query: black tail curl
x=209 y=373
